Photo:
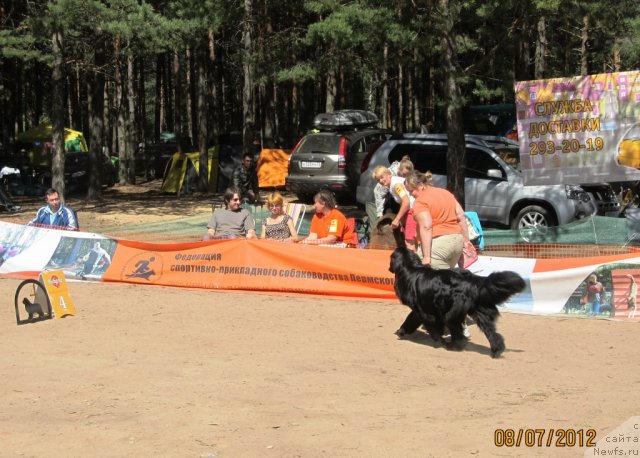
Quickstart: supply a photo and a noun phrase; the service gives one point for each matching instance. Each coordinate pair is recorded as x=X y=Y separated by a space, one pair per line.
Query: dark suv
x=331 y=155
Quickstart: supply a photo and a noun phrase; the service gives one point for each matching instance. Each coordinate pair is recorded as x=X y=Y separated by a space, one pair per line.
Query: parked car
x=77 y=169
x=152 y=158
x=330 y=157
x=493 y=182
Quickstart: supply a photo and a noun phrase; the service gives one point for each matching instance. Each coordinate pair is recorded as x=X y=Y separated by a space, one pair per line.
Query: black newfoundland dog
x=439 y=298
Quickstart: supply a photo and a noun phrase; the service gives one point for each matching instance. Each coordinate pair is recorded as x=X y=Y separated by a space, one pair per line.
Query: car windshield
x=511 y=157
x=319 y=144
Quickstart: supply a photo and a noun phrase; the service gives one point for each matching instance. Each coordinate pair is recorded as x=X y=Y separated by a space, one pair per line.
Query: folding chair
x=351 y=222
x=296 y=212
x=257 y=211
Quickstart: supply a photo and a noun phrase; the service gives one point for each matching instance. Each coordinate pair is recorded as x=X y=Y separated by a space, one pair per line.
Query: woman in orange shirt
x=328 y=225
x=441 y=224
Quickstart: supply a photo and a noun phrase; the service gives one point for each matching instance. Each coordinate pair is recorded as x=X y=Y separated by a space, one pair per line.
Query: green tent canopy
x=38 y=143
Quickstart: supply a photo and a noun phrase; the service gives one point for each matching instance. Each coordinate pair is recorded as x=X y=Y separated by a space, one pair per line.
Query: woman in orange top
x=328 y=225
x=441 y=224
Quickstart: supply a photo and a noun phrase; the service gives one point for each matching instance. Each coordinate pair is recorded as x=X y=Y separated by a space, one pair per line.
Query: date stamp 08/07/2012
x=544 y=437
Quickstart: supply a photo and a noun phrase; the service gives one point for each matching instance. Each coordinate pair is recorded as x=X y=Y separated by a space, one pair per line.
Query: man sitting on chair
x=55 y=214
x=233 y=220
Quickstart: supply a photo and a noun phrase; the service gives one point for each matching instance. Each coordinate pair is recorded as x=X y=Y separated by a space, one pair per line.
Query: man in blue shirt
x=55 y=214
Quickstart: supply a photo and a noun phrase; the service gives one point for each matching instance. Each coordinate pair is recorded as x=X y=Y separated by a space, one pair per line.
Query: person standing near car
x=380 y=192
x=397 y=190
x=245 y=178
x=441 y=226
x=55 y=214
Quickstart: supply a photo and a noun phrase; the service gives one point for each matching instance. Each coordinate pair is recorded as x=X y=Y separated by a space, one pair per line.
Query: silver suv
x=331 y=156
x=493 y=182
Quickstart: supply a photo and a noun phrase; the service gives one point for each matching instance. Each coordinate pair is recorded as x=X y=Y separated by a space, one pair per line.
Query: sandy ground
x=153 y=371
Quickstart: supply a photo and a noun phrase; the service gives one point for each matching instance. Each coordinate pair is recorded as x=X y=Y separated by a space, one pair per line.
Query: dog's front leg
x=411 y=323
x=458 y=340
x=434 y=326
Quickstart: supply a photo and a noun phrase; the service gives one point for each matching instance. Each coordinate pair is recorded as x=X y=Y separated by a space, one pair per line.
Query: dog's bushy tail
x=495 y=289
x=499 y=287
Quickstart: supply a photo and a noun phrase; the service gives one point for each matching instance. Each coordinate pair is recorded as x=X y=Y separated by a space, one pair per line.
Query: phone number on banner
x=566 y=146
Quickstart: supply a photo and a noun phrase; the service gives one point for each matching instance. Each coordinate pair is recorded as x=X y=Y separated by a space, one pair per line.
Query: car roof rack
x=344 y=120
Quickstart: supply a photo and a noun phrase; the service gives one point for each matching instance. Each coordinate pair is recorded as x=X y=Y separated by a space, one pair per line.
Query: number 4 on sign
x=56 y=289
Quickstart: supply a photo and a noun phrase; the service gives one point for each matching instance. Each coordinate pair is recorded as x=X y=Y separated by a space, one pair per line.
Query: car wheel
x=533 y=222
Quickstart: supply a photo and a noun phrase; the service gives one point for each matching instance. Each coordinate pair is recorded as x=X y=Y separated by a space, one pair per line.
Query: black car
x=332 y=154
x=77 y=168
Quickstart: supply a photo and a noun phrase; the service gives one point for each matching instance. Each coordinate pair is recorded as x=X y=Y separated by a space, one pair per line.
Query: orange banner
x=260 y=265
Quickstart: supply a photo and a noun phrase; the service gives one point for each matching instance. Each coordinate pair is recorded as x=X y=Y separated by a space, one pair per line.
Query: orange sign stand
x=55 y=287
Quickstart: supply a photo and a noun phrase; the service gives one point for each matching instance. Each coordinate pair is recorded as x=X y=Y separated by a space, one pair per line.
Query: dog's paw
x=400 y=333
x=437 y=338
x=497 y=352
x=497 y=346
x=457 y=345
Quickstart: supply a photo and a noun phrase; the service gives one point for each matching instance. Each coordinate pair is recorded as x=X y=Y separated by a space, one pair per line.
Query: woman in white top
x=399 y=192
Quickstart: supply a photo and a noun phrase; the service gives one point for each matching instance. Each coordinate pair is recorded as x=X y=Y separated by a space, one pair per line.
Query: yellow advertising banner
x=55 y=286
x=580 y=129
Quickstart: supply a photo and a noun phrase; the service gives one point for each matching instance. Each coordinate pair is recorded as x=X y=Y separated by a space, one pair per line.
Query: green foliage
x=299 y=73
x=630 y=43
x=300 y=41
x=13 y=45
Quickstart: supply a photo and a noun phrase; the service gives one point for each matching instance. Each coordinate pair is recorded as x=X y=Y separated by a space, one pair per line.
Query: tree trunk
x=201 y=111
x=95 y=90
x=400 y=117
x=541 y=50
x=247 y=67
x=176 y=74
x=191 y=104
x=120 y=109
x=331 y=88
x=130 y=130
x=384 y=98
x=141 y=111
x=57 y=113
x=584 y=52
x=453 y=101
x=212 y=92
x=617 y=58
x=159 y=102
